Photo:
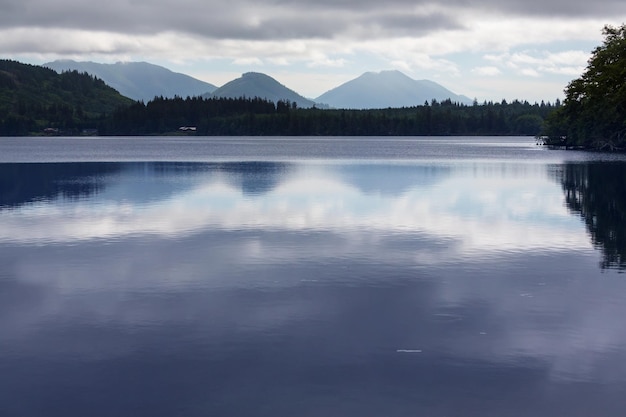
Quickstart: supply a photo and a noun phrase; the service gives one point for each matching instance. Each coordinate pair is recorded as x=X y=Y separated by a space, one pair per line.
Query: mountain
x=33 y=98
x=387 y=89
x=255 y=84
x=139 y=80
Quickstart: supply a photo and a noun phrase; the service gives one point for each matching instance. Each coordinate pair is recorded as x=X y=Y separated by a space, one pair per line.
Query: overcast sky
x=487 y=49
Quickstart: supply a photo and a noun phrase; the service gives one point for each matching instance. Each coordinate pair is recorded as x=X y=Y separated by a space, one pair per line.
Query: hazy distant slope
x=139 y=80
x=255 y=84
x=386 y=89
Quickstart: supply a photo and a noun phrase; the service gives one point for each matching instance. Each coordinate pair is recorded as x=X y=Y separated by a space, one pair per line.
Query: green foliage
x=34 y=98
x=594 y=110
x=257 y=117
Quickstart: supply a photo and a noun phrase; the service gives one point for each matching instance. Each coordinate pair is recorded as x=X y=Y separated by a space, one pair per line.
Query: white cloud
x=537 y=63
x=529 y=72
x=280 y=61
x=247 y=61
x=486 y=71
x=320 y=60
x=470 y=206
x=424 y=39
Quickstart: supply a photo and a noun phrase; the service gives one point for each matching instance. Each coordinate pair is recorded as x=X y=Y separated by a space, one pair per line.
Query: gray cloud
x=295 y=19
x=242 y=20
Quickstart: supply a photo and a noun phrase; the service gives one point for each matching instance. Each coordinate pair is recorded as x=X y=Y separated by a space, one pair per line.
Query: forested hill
x=231 y=117
x=33 y=98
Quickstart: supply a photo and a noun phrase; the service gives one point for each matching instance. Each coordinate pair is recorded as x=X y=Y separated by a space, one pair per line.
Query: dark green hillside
x=219 y=116
x=34 y=98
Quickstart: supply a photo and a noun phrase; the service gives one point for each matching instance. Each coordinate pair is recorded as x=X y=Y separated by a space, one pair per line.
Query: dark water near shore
x=310 y=277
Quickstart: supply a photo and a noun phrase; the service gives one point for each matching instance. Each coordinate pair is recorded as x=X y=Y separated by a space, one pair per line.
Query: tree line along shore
x=257 y=117
x=38 y=101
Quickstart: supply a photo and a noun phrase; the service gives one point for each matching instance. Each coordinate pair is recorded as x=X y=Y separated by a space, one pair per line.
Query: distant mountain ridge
x=138 y=80
x=387 y=89
x=372 y=90
x=256 y=84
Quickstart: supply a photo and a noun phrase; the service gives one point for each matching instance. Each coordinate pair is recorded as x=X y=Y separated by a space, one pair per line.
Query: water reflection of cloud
x=483 y=209
x=551 y=309
x=356 y=298
x=310 y=302
x=314 y=228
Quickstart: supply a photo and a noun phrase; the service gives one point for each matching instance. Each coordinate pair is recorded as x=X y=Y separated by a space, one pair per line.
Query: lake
x=395 y=277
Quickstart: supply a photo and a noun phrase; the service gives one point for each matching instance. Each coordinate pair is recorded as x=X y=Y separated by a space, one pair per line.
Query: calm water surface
x=393 y=277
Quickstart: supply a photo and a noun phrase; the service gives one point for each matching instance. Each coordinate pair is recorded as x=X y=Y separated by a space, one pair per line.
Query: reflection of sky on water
x=269 y=290
x=492 y=207
x=492 y=328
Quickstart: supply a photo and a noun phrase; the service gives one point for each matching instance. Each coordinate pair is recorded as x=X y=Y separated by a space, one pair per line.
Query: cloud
x=327 y=202
x=248 y=61
x=124 y=26
x=422 y=38
x=530 y=72
x=275 y=19
x=535 y=63
x=486 y=71
x=321 y=60
x=240 y=19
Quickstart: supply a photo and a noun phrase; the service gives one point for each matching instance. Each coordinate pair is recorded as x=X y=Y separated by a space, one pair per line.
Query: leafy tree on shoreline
x=593 y=114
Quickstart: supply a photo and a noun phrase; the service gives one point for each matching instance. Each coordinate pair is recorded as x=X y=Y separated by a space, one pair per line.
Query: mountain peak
x=257 y=84
x=386 y=73
x=388 y=88
x=255 y=74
